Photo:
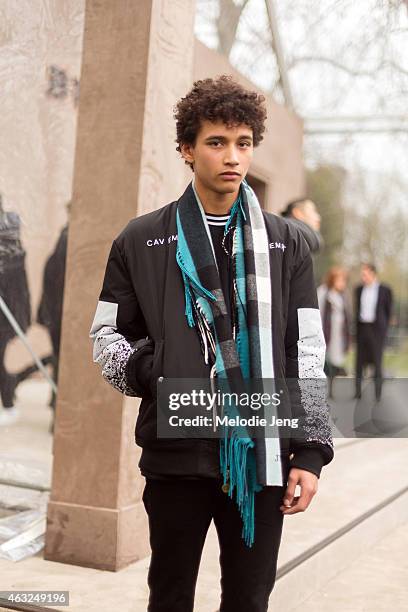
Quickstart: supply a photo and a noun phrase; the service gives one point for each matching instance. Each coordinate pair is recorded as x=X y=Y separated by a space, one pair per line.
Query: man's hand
x=308 y=487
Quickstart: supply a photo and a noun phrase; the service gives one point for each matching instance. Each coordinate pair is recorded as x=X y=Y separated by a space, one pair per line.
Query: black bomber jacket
x=140 y=333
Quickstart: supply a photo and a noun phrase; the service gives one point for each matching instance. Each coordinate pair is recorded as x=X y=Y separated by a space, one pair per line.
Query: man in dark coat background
x=15 y=293
x=303 y=214
x=373 y=307
x=50 y=308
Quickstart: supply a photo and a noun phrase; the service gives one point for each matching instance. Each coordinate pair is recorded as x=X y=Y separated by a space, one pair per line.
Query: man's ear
x=298 y=213
x=187 y=152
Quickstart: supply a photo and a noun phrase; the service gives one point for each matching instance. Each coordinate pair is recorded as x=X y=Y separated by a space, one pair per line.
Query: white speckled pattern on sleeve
x=311 y=355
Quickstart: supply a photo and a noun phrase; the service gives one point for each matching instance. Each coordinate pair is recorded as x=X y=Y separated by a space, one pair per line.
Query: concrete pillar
x=137 y=61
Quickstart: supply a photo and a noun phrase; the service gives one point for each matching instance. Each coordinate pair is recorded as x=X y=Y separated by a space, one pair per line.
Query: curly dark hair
x=220 y=99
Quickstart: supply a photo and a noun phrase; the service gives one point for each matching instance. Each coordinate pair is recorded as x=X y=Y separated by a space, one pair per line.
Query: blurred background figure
x=335 y=313
x=373 y=307
x=50 y=308
x=304 y=214
x=15 y=293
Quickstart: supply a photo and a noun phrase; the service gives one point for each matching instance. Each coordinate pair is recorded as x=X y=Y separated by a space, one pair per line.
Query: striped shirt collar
x=218 y=220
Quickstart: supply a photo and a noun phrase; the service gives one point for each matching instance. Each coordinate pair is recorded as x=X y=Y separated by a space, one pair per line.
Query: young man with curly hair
x=212 y=287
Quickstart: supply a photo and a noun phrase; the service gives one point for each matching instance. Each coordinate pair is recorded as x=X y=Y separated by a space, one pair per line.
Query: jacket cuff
x=138 y=369
x=311 y=459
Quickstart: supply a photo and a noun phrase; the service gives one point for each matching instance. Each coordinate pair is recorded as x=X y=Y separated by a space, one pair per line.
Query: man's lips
x=230 y=174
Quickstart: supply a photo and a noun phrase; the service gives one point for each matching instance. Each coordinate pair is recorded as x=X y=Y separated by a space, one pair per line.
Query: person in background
x=373 y=308
x=49 y=311
x=15 y=293
x=304 y=215
x=336 y=322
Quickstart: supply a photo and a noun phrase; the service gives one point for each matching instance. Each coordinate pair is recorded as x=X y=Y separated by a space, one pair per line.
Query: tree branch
x=327 y=60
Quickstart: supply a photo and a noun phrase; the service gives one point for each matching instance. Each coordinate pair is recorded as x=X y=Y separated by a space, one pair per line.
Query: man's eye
x=245 y=144
x=215 y=143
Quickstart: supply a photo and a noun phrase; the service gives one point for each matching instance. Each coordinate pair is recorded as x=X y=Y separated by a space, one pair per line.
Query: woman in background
x=336 y=319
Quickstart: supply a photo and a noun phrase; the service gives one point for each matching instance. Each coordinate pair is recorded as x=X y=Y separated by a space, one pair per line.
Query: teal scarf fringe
x=238 y=464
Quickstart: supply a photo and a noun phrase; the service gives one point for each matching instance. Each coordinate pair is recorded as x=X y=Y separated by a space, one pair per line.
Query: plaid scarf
x=238 y=347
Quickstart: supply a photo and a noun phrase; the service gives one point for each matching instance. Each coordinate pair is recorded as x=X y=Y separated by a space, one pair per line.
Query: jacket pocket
x=157 y=366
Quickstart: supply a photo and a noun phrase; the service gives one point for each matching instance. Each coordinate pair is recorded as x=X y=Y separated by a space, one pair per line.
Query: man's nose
x=231 y=156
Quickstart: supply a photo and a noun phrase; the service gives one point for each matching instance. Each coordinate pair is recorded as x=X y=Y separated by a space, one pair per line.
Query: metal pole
x=23 y=338
x=278 y=49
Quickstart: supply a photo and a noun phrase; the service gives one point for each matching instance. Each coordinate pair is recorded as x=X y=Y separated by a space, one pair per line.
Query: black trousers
x=180 y=512
x=7 y=380
x=370 y=349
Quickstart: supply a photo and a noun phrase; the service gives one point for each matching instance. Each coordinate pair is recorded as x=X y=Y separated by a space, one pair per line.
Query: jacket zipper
x=213 y=374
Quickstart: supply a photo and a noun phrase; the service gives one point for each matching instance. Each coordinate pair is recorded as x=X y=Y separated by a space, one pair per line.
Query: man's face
x=221 y=155
x=367 y=275
x=308 y=213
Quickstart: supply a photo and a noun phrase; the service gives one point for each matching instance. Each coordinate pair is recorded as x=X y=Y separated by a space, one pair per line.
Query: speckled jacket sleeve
x=117 y=324
x=305 y=354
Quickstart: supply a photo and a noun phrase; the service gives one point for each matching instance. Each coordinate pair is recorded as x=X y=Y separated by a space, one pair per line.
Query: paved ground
x=376 y=582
